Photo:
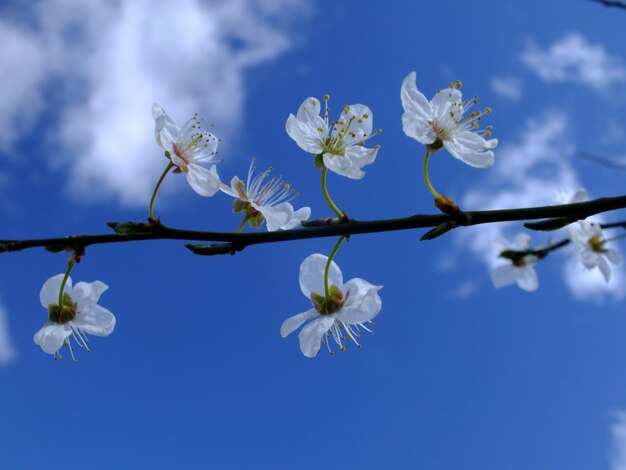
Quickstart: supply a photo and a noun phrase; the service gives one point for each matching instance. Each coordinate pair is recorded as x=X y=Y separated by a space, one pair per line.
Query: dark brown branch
x=133 y=231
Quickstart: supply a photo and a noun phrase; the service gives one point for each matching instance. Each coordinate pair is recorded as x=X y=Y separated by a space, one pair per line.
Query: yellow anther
x=487 y=110
x=326 y=97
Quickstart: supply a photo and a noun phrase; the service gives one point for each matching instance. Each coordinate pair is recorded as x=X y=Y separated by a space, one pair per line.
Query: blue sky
x=195 y=375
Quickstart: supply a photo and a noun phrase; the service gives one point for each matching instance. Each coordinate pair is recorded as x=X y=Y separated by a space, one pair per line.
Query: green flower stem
x=70 y=266
x=156 y=190
x=427 y=179
x=330 y=259
x=330 y=202
x=242 y=224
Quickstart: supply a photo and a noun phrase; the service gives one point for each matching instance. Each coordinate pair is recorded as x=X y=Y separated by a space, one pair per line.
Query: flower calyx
x=65 y=313
x=331 y=304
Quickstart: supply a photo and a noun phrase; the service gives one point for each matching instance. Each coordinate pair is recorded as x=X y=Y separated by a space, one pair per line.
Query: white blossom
x=186 y=148
x=518 y=270
x=444 y=122
x=79 y=315
x=589 y=246
x=339 y=316
x=341 y=143
x=266 y=199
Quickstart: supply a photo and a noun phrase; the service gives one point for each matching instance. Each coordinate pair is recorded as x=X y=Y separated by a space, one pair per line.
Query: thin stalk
x=330 y=202
x=330 y=260
x=70 y=266
x=430 y=187
x=156 y=190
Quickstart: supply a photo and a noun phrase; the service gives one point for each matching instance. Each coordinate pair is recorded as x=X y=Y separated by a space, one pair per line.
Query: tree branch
x=231 y=242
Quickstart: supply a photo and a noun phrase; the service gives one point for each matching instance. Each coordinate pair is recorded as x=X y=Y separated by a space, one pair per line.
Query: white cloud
x=97 y=67
x=7 y=351
x=617 y=457
x=573 y=59
x=507 y=87
x=535 y=171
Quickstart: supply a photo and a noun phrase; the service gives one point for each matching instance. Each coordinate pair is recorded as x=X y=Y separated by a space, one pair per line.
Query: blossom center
x=331 y=304
x=65 y=313
x=596 y=243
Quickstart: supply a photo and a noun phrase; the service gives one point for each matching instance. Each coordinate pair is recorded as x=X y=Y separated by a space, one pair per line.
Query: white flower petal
x=204 y=182
x=291 y=324
x=527 y=278
x=297 y=217
x=165 y=131
x=308 y=129
x=413 y=101
x=230 y=190
x=95 y=320
x=613 y=256
x=504 y=275
x=470 y=148
x=363 y=303
x=276 y=216
x=51 y=336
x=49 y=293
x=311 y=335
x=446 y=101
x=361 y=122
x=88 y=293
x=312 y=275
x=604 y=267
x=418 y=129
x=521 y=241
x=343 y=166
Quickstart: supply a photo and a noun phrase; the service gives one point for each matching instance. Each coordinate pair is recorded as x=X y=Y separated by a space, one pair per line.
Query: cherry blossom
x=339 y=315
x=341 y=143
x=519 y=266
x=186 y=148
x=444 y=122
x=589 y=246
x=79 y=315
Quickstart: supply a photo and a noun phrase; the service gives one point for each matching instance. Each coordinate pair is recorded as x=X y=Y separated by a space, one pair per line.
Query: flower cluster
x=339 y=311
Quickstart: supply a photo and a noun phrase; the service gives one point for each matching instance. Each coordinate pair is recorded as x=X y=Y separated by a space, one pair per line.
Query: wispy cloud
x=507 y=87
x=573 y=59
x=97 y=67
x=617 y=457
x=536 y=170
x=7 y=351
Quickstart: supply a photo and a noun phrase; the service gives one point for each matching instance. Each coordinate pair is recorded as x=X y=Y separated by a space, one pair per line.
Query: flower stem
x=612 y=239
x=330 y=202
x=70 y=266
x=242 y=224
x=330 y=259
x=156 y=190
x=432 y=190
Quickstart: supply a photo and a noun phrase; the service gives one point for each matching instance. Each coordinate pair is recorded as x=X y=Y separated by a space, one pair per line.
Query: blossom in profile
x=518 y=268
x=341 y=143
x=590 y=247
x=78 y=315
x=187 y=148
x=444 y=122
x=267 y=198
x=338 y=315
